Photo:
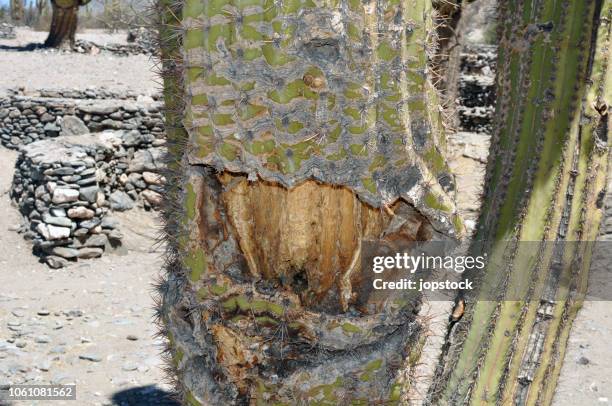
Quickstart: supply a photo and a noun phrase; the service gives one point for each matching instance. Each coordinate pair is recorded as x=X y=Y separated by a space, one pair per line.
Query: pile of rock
x=89 y=93
x=57 y=188
x=25 y=119
x=91 y=48
x=476 y=103
x=7 y=31
x=130 y=168
x=144 y=37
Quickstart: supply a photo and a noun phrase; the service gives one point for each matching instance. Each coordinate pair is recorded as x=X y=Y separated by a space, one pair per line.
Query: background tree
x=17 y=11
x=299 y=129
x=64 y=23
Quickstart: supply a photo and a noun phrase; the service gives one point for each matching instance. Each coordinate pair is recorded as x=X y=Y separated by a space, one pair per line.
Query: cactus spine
x=547 y=168
x=297 y=128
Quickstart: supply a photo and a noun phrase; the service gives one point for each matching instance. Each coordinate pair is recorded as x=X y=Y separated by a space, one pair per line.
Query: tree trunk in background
x=297 y=129
x=63 y=24
x=40 y=7
x=17 y=11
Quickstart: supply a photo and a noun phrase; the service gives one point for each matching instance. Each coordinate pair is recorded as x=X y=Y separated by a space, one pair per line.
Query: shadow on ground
x=144 y=396
x=32 y=46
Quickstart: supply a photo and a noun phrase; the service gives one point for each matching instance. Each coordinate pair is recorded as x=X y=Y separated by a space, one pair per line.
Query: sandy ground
x=40 y=69
x=90 y=323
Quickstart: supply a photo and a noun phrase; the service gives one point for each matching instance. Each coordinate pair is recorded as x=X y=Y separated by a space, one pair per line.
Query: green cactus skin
x=547 y=168
x=239 y=332
x=331 y=90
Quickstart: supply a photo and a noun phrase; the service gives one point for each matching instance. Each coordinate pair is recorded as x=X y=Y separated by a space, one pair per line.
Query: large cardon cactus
x=297 y=129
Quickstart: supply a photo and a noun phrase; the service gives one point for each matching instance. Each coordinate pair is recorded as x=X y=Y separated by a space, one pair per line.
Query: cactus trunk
x=63 y=24
x=297 y=129
x=545 y=178
x=17 y=11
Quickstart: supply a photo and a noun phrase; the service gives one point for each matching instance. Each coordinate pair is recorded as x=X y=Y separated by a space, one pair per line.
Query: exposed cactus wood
x=290 y=142
x=271 y=302
x=546 y=172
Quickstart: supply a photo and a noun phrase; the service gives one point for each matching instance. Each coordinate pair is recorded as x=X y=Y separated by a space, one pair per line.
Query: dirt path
x=89 y=324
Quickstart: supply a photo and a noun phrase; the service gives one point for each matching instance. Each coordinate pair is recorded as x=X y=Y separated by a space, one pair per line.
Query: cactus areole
x=297 y=129
x=546 y=178
x=331 y=91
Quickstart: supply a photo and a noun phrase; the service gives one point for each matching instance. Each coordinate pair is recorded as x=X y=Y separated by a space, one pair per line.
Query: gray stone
x=89 y=193
x=89 y=224
x=80 y=212
x=136 y=180
x=113 y=124
x=51 y=129
x=120 y=201
x=132 y=138
x=57 y=221
x=96 y=240
x=88 y=172
x=65 y=252
x=60 y=349
x=115 y=235
x=64 y=170
x=44 y=365
x=101 y=108
x=58 y=233
x=55 y=262
x=62 y=195
x=91 y=357
x=154 y=198
x=109 y=222
x=62 y=379
x=58 y=212
x=158 y=155
x=72 y=125
x=43 y=230
x=80 y=232
x=47 y=118
x=87 y=181
x=142 y=160
x=89 y=252
x=129 y=366
x=42 y=339
x=153 y=178
x=74 y=313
